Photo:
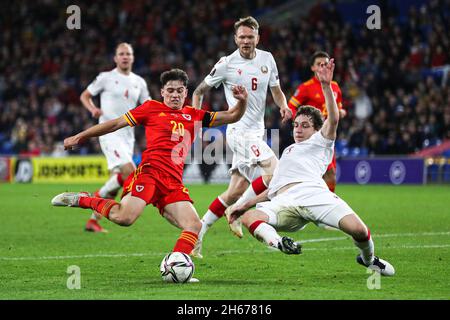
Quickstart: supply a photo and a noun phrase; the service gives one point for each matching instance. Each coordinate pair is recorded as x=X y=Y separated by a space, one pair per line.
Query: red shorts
x=155 y=187
x=332 y=165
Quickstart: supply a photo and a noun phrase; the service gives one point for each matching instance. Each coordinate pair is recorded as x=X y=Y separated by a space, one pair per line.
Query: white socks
x=209 y=218
x=367 y=250
x=247 y=195
x=110 y=187
x=268 y=234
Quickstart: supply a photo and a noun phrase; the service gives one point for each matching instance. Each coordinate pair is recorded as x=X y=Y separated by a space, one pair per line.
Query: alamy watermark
x=213 y=146
x=374 y=280
x=374 y=20
x=74 y=20
x=74 y=279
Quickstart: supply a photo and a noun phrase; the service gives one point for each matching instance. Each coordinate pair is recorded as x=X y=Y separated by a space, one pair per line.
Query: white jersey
x=256 y=75
x=118 y=94
x=306 y=161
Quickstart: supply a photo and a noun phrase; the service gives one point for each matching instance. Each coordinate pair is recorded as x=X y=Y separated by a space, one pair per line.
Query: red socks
x=102 y=206
x=254 y=225
x=258 y=185
x=217 y=208
x=186 y=242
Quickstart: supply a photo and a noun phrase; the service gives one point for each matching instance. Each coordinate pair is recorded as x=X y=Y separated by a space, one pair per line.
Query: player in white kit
x=298 y=194
x=120 y=90
x=257 y=71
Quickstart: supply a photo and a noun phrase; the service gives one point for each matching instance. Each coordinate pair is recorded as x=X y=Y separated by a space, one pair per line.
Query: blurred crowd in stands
x=394 y=80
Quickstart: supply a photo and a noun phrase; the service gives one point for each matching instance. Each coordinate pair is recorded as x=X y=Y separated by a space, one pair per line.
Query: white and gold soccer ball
x=177 y=267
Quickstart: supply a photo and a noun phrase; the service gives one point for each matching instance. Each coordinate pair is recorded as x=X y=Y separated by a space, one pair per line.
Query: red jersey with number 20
x=169 y=133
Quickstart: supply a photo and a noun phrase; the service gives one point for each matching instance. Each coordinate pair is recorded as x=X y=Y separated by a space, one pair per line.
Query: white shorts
x=249 y=149
x=118 y=151
x=304 y=203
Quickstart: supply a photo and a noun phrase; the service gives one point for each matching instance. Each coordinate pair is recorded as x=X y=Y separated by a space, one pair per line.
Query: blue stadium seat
x=340 y=146
x=364 y=152
x=446 y=173
x=6 y=148
x=433 y=173
x=446 y=153
x=344 y=152
x=355 y=152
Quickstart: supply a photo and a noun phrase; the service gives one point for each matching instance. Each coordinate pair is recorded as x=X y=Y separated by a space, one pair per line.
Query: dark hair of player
x=313 y=114
x=318 y=54
x=247 y=22
x=174 y=75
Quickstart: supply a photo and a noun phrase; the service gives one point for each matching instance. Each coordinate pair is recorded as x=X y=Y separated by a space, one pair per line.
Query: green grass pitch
x=410 y=227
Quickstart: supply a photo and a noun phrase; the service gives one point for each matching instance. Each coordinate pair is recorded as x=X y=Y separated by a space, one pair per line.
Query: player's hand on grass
x=325 y=72
x=286 y=114
x=239 y=93
x=237 y=211
x=96 y=112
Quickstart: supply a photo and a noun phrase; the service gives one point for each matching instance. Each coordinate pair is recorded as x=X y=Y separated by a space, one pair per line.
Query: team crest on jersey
x=264 y=69
x=187 y=117
x=139 y=188
x=239 y=71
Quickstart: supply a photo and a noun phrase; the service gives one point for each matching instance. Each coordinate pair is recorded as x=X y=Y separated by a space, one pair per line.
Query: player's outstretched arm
x=95 y=131
x=235 y=113
x=199 y=92
x=280 y=99
x=325 y=75
x=86 y=100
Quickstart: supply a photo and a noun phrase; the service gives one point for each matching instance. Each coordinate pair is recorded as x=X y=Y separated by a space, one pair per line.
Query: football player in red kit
x=170 y=130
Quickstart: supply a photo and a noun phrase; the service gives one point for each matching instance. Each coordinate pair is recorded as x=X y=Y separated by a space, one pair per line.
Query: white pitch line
x=391 y=235
x=129 y=255
x=391 y=247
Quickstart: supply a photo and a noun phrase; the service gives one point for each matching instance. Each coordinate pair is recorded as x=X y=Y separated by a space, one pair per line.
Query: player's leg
x=257 y=186
x=217 y=208
x=118 y=153
x=115 y=182
x=261 y=183
x=183 y=215
x=257 y=223
x=123 y=213
x=352 y=225
x=109 y=191
x=128 y=210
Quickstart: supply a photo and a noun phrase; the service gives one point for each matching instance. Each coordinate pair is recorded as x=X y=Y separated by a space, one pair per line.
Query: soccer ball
x=177 y=267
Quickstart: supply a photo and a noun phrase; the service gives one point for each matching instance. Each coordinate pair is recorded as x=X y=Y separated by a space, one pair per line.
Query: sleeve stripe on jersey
x=294 y=101
x=129 y=118
x=213 y=119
